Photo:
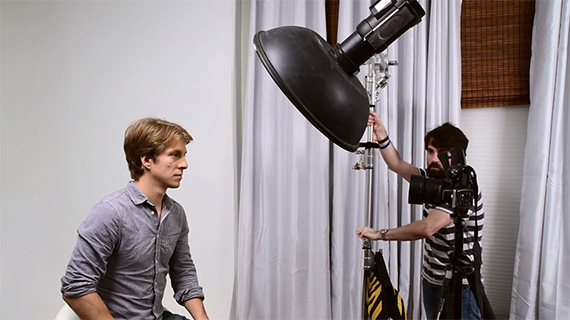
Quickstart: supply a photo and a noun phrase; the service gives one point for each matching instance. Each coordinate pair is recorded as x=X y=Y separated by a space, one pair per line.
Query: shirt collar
x=137 y=197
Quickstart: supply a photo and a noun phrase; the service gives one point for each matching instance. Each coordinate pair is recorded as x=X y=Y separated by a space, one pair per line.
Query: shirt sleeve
x=422 y=172
x=183 y=273
x=97 y=237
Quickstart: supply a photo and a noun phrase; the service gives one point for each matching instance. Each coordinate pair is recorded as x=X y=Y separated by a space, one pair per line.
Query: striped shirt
x=440 y=244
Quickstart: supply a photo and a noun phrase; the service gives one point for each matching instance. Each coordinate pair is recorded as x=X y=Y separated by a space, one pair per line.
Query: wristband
x=385 y=146
x=384 y=140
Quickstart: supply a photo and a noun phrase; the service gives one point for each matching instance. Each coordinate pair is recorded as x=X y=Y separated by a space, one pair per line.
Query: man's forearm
x=89 y=306
x=389 y=153
x=420 y=229
x=196 y=308
x=413 y=231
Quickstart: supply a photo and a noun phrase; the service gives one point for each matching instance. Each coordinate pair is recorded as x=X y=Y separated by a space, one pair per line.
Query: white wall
x=497 y=138
x=74 y=75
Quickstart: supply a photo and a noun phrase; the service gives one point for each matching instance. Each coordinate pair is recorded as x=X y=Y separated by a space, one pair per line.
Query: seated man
x=134 y=237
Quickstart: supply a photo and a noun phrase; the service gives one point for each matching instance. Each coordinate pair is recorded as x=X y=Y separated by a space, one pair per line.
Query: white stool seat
x=66 y=313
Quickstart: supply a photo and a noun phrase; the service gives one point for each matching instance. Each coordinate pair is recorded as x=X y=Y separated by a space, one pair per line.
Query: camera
x=457 y=190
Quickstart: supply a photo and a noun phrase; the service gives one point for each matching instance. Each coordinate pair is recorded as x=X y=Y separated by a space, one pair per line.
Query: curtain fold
x=283 y=244
x=541 y=287
x=286 y=266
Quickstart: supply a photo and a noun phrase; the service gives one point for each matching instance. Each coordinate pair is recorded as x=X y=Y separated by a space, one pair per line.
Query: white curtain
x=283 y=225
x=298 y=256
x=541 y=283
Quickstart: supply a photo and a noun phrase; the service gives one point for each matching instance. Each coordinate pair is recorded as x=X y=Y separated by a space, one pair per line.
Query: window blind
x=495 y=52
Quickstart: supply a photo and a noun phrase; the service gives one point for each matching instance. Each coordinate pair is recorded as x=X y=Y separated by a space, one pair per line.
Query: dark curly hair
x=446 y=137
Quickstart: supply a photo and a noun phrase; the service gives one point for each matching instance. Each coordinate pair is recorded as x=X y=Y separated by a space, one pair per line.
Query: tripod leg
x=485 y=309
x=444 y=288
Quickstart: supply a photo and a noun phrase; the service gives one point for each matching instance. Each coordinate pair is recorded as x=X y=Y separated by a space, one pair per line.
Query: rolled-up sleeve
x=182 y=268
x=97 y=237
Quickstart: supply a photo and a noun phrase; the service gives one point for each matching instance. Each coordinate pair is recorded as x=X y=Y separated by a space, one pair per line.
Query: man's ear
x=146 y=162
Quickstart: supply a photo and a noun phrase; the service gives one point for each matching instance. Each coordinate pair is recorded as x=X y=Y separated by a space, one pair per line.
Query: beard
x=436 y=171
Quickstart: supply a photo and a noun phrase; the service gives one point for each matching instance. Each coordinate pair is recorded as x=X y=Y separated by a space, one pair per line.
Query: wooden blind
x=495 y=52
x=331 y=12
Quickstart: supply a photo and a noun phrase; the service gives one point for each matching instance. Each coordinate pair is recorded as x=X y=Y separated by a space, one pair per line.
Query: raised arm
x=389 y=153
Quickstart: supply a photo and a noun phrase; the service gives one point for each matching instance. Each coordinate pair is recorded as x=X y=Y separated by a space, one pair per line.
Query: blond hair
x=149 y=137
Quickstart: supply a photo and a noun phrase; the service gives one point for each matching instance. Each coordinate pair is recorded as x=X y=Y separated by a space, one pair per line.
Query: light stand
x=377 y=63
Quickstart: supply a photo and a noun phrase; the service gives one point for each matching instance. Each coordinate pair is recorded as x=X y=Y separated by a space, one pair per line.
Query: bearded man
x=437 y=226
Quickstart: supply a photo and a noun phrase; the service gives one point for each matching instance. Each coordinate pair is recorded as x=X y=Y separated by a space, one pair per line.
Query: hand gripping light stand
x=376 y=64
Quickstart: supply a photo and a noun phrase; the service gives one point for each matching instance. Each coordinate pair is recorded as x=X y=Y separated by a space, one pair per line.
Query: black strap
x=474 y=278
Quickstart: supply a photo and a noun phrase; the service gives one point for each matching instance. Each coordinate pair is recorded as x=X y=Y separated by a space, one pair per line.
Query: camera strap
x=474 y=278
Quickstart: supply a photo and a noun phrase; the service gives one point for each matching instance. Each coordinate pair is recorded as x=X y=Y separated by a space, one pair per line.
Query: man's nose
x=184 y=163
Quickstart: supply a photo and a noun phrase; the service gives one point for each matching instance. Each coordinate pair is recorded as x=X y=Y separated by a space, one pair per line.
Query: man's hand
x=367 y=233
x=377 y=125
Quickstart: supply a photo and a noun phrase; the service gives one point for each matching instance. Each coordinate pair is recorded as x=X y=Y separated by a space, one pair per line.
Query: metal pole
x=367 y=253
x=377 y=63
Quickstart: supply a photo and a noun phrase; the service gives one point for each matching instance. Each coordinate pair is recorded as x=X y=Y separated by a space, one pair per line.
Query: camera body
x=457 y=190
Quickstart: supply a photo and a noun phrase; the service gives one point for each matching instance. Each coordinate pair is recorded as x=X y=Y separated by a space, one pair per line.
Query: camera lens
x=425 y=190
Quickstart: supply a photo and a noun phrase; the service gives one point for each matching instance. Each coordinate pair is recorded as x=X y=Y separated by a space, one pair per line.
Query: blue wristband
x=386 y=145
